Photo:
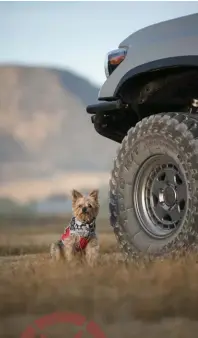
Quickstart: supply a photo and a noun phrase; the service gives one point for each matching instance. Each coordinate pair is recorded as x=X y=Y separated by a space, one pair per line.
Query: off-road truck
x=150 y=107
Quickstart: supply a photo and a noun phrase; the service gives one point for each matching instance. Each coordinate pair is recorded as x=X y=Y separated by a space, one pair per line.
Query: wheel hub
x=168 y=196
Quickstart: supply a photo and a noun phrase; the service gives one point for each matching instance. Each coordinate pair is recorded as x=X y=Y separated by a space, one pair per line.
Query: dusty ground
x=157 y=300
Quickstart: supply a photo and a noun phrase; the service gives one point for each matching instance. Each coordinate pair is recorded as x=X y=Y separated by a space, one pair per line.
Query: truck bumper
x=104 y=118
x=105 y=107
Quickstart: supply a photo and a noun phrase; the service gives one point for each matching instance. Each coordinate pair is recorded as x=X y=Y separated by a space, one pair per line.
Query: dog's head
x=85 y=208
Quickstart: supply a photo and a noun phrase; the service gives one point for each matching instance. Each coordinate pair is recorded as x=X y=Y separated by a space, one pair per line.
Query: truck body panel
x=170 y=43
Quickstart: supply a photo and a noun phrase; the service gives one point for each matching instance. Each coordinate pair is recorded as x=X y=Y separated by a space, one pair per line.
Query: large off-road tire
x=154 y=186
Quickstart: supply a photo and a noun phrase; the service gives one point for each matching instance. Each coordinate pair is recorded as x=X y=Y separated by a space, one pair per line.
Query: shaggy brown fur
x=68 y=252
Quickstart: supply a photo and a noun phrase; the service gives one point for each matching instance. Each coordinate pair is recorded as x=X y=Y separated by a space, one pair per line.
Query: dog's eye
x=80 y=205
x=89 y=205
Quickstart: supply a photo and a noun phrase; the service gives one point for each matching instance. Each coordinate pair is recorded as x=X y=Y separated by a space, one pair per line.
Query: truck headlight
x=113 y=59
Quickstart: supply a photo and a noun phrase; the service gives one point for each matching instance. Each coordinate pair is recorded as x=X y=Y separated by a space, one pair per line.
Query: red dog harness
x=84 y=230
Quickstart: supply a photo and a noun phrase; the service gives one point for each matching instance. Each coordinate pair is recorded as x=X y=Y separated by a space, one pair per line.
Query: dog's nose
x=84 y=209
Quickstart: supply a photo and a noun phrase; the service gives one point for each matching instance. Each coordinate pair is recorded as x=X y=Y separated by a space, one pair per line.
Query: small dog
x=80 y=236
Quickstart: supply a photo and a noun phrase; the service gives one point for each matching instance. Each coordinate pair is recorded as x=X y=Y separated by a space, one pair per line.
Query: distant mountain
x=87 y=92
x=44 y=128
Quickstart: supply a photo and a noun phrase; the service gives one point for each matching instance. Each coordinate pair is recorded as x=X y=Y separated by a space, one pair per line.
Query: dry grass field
x=156 y=300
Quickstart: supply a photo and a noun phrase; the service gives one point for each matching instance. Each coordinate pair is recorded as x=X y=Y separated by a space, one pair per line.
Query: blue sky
x=76 y=35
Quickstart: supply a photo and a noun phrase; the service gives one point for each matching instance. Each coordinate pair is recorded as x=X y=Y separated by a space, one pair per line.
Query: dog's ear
x=94 y=194
x=75 y=195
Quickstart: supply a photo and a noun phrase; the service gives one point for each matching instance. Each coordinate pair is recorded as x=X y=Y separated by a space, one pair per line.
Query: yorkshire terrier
x=79 y=237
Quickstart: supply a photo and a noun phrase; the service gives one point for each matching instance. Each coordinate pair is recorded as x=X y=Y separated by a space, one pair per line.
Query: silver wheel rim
x=160 y=196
